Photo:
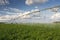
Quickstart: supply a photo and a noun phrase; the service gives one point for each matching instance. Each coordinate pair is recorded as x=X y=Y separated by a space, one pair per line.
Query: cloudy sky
x=16 y=9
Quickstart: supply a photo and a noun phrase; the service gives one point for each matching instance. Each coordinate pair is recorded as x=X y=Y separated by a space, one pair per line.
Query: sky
x=12 y=9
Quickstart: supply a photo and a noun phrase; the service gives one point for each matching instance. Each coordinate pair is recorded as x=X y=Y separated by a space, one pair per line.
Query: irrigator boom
x=24 y=15
x=54 y=9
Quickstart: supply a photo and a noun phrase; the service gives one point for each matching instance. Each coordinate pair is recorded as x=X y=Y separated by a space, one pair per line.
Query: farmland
x=29 y=31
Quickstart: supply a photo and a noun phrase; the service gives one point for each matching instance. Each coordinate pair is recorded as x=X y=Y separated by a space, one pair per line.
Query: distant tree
x=56 y=22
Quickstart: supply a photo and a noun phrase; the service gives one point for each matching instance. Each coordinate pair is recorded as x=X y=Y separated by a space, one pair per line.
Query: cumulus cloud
x=7 y=17
x=28 y=14
x=11 y=11
x=15 y=10
x=19 y=15
x=4 y=2
x=29 y=2
x=56 y=17
x=34 y=11
x=25 y=17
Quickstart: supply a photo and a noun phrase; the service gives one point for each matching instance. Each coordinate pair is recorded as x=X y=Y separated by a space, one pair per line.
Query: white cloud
x=36 y=7
x=7 y=17
x=25 y=15
x=29 y=2
x=29 y=13
x=56 y=17
x=4 y=2
x=15 y=10
x=11 y=11
x=34 y=11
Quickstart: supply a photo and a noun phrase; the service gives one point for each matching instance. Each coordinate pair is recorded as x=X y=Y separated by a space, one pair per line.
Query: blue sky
x=20 y=4
x=7 y=6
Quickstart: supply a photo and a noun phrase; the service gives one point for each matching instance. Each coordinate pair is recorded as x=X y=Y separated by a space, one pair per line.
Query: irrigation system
x=54 y=9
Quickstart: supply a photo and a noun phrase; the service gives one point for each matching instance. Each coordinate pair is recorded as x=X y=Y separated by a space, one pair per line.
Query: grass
x=29 y=31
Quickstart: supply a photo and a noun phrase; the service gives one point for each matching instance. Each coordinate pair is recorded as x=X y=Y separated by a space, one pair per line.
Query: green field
x=29 y=31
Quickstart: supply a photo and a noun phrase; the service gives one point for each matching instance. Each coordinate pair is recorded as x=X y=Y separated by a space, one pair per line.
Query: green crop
x=29 y=31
